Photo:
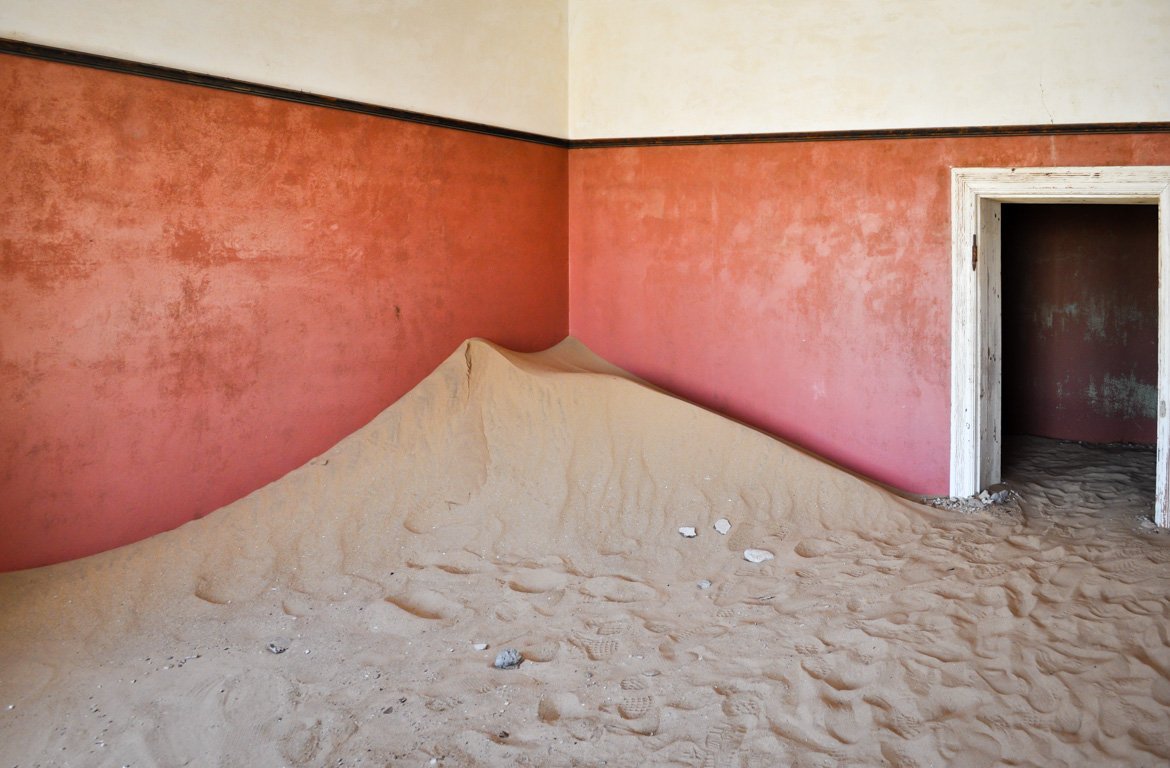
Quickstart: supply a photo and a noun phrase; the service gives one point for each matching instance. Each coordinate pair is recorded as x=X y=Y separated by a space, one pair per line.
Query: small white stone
x=688 y=532
x=278 y=645
x=757 y=555
x=480 y=646
x=705 y=584
x=723 y=525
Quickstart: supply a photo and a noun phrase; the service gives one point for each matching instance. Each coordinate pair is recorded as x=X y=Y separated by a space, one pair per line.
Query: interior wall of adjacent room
x=1080 y=321
x=503 y=64
x=201 y=290
x=697 y=67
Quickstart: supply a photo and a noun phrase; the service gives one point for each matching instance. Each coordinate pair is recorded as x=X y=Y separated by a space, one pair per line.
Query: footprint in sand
x=757 y=611
x=842 y=720
x=750 y=584
x=1152 y=739
x=618 y=590
x=812 y=548
x=540 y=652
x=1003 y=682
x=606 y=628
x=901 y=719
x=973 y=746
x=899 y=754
x=738 y=704
x=811 y=737
x=690 y=699
x=633 y=684
x=841 y=671
x=508 y=612
x=596 y=648
x=722 y=745
x=658 y=627
x=297 y=605
x=686 y=639
x=425 y=603
x=1128 y=570
x=537 y=581
x=588 y=729
x=560 y=706
x=637 y=708
x=808 y=646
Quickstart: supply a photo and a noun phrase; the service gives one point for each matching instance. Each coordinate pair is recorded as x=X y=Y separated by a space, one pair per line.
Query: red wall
x=1080 y=321
x=201 y=290
x=802 y=287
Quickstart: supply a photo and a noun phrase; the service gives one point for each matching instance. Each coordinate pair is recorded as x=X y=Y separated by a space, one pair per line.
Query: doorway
x=1080 y=354
x=978 y=196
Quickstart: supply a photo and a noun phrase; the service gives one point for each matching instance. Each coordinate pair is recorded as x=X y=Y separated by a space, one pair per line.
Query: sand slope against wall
x=533 y=501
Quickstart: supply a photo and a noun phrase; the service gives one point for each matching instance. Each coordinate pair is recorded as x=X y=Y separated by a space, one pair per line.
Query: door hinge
x=974 y=251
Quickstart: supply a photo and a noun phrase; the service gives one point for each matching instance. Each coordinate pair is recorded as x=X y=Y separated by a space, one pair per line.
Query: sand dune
x=534 y=501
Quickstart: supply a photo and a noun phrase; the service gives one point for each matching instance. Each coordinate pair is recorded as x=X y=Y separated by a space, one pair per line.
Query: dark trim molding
x=876 y=134
x=109 y=63
x=65 y=56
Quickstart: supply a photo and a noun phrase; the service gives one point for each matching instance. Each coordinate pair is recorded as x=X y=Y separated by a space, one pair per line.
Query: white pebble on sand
x=688 y=532
x=723 y=525
x=757 y=555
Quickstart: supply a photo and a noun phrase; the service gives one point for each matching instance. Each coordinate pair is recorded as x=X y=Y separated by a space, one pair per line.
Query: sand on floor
x=533 y=501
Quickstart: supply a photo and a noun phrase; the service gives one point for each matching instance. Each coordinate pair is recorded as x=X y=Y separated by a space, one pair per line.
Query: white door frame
x=976 y=343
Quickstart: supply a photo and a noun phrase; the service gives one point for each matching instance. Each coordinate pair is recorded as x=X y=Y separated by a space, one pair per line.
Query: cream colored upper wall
x=500 y=63
x=676 y=67
x=606 y=68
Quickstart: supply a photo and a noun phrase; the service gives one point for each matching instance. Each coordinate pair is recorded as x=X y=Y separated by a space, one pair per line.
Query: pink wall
x=1080 y=321
x=201 y=290
x=801 y=287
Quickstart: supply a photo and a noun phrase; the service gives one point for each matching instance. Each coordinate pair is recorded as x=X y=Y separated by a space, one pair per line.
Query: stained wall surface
x=698 y=67
x=802 y=287
x=1080 y=321
x=201 y=290
x=500 y=63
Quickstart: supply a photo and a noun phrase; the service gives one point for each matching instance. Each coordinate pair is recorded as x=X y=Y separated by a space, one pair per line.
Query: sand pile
x=533 y=502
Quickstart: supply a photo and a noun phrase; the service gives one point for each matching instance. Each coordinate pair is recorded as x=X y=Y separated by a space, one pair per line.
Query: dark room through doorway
x=1080 y=354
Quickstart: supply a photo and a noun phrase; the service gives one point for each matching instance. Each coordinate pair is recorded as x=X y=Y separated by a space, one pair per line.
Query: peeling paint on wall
x=1124 y=397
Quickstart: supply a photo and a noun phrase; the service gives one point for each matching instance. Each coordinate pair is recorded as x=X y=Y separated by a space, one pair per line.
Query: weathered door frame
x=976 y=340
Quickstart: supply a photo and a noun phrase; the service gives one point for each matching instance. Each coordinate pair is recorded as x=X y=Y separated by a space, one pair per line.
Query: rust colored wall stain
x=1080 y=321
x=202 y=290
x=803 y=288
